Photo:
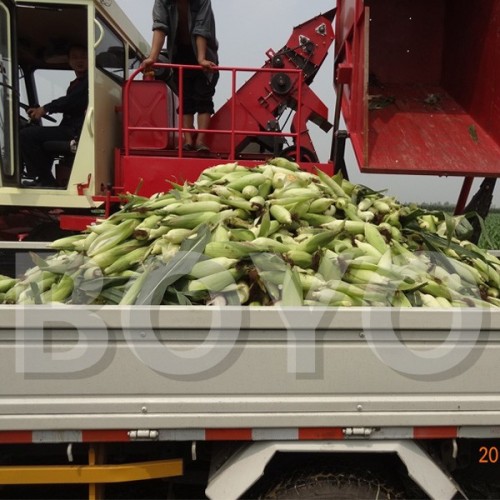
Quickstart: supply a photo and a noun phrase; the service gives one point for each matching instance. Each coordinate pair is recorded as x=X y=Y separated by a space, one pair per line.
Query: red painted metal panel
x=19 y=437
x=104 y=436
x=450 y=432
x=228 y=434
x=318 y=433
x=75 y=222
x=471 y=67
x=406 y=41
x=410 y=134
x=153 y=174
x=351 y=52
x=148 y=108
x=433 y=75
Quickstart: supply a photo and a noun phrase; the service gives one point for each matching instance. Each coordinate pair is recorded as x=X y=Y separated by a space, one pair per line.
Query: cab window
x=110 y=52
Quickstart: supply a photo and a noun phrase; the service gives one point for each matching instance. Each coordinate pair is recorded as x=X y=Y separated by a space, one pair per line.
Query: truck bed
x=263 y=368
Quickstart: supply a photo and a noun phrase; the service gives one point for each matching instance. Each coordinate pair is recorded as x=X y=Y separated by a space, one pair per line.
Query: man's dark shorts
x=199 y=85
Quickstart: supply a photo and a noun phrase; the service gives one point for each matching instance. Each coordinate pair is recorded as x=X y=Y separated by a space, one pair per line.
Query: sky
x=247 y=29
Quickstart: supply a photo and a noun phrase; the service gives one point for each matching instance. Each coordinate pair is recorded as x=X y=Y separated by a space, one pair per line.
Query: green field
x=492 y=241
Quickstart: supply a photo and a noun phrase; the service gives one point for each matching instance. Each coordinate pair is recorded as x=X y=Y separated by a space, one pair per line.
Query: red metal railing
x=232 y=132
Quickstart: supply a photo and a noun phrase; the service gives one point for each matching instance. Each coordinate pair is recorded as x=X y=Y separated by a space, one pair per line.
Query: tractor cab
x=34 y=39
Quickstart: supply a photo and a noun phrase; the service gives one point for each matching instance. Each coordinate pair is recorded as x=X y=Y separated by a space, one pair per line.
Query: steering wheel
x=46 y=117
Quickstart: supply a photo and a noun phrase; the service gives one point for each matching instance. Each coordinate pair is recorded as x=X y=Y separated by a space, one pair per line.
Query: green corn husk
x=211 y=266
x=300 y=258
x=60 y=291
x=283 y=236
x=214 y=282
x=177 y=235
x=108 y=257
x=189 y=221
x=111 y=238
x=7 y=283
x=251 y=179
x=68 y=242
x=230 y=249
x=316 y=241
x=281 y=214
x=198 y=207
x=127 y=261
x=285 y=163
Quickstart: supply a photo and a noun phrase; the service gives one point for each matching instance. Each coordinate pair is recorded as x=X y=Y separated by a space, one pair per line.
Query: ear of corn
x=215 y=282
x=250 y=179
x=285 y=163
x=6 y=283
x=281 y=214
x=316 y=241
x=299 y=258
x=115 y=236
x=177 y=235
x=108 y=257
x=127 y=261
x=328 y=296
x=189 y=221
x=320 y=205
x=283 y=235
x=241 y=234
x=317 y=219
x=59 y=291
x=229 y=249
x=68 y=242
x=211 y=266
x=332 y=186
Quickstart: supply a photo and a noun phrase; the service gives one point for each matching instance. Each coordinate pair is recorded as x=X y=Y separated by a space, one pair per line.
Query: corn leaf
x=482 y=225
x=293 y=294
x=436 y=243
x=265 y=225
x=180 y=297
x=451 y=225
x=406 y=220
x=162 y=276
x=113 y=295
x=464 y=229
x=38 y=261
x=36 y=293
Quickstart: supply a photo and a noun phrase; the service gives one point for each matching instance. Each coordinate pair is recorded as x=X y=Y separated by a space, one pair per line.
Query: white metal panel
x=187 y=375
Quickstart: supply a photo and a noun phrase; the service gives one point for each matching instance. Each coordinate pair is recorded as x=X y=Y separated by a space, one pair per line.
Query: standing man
x=189 y=26
x=73 y=106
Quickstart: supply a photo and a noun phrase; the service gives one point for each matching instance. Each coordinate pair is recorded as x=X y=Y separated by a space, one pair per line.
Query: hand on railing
x=147 y=68
x=206 y=64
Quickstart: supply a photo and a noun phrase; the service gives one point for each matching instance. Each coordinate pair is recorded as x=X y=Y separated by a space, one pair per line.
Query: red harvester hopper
x=420 y=85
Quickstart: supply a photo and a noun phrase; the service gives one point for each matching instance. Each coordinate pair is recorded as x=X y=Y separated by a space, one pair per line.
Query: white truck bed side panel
x=196 y=368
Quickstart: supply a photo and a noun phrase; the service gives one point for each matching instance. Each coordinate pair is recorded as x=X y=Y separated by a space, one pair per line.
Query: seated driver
x=73 y=106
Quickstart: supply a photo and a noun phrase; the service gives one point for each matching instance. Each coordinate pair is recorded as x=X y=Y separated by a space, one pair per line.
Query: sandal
x=202 y=148
x=187 y=147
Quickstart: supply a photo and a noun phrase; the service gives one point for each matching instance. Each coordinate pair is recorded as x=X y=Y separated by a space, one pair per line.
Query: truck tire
x=332 y=485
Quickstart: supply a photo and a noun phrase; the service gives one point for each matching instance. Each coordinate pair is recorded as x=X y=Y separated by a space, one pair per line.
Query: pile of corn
x=269 y=235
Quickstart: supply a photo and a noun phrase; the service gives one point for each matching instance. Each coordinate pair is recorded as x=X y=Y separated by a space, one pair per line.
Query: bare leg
x=188 y=122
x=203 y=123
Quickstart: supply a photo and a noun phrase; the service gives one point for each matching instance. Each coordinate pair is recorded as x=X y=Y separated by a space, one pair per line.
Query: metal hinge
x=354 y=432
x=143 y=435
